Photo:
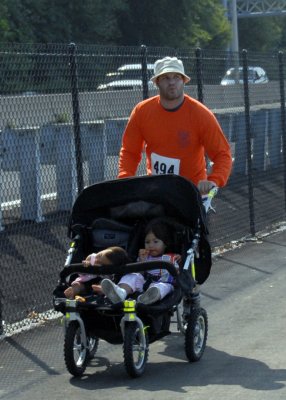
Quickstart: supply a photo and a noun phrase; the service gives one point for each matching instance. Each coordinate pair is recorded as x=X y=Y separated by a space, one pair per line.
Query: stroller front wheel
x=76 y=354
x=196 y=334
x=135 y=349
x=181 y=317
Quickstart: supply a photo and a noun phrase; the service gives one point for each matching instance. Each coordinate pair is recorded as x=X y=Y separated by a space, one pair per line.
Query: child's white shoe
x=151 y=295
x=113 y=292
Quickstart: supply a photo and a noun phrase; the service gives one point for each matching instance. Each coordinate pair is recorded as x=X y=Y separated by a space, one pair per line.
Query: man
x=177 y=132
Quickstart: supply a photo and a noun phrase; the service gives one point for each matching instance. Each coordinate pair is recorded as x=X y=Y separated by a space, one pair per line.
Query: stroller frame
x=88 y=319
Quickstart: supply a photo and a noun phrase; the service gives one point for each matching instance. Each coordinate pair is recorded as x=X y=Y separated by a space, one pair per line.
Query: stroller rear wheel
x=135 y=349
x=75 y=352
x=92 y=343
x=196 y=334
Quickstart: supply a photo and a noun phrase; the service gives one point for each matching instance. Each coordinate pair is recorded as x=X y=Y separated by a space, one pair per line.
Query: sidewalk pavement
x=245 y=357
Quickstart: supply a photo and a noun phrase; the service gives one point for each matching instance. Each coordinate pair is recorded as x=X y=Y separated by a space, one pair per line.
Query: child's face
x=101 y=258
x=155 y=246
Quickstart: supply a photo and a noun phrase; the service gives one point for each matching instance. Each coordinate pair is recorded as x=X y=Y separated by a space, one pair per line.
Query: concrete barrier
x=26 y=149
x=239 y=137
x=10 y=150
x=1 y=201
x=274 y=138
x=48 y=144
x=259 y=131
x=226 y=122
x=114 y=129
x=94 y=149
x=66 y=174
x=24 y=155
x=42 y=109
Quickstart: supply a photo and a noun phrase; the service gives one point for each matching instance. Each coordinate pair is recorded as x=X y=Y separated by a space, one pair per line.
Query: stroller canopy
x=178 y=197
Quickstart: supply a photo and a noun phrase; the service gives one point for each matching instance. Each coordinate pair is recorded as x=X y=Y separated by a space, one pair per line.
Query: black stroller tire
x=196 y=334
x=92 y=343
x=134 y=352
x=75 y=353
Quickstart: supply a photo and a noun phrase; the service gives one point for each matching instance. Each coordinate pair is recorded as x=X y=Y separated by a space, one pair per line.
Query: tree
x=60 y=21
x=260 y=34
x=4 y=22
x=185 y=23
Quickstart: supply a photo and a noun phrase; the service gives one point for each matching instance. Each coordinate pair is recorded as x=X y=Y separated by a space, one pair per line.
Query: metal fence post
x=76 y=116
x=144 y=72
x=248 y=142
x=283 y=118
x=199 y=71
x=145 y=89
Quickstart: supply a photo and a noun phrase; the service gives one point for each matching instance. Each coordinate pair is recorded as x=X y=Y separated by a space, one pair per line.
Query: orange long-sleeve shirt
x=175 y=142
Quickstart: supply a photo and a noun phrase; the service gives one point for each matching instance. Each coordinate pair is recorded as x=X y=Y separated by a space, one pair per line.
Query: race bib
x=164 y=165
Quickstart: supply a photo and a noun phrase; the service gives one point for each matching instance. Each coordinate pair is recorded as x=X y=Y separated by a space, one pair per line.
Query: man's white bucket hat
x=169 y=65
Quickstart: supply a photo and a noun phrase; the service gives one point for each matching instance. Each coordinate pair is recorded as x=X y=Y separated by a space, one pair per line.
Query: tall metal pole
x=199 y=71
x=76 y=116
x=248 y=143
x=144 y=72
x=234 y=42
x=226 y=13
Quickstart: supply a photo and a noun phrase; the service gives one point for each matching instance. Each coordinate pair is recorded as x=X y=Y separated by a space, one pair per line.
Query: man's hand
x=205 y=186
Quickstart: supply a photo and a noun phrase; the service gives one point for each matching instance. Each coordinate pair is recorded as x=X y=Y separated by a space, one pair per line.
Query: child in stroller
x=117 y=213
x=158 y=283
x=84 y=282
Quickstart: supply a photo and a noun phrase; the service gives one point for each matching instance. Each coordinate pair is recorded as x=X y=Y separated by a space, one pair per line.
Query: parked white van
x=128 y=76
x=255 y=75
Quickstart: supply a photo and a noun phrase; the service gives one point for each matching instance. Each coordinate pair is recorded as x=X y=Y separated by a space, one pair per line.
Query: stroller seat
x=107 y=232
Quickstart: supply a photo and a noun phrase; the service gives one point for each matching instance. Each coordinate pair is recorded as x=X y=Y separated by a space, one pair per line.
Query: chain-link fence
x=63 y=111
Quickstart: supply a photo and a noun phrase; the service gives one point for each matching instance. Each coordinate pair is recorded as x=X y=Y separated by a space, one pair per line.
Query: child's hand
x=97 y=289
x=143 y=254
x=90 y=260
x=178 y=258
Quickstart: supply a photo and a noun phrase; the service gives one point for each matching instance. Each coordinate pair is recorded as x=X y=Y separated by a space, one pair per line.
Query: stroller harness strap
x=160 y=274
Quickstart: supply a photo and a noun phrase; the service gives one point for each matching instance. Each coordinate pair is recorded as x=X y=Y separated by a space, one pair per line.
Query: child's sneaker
x=113 y=292
x=151 y=295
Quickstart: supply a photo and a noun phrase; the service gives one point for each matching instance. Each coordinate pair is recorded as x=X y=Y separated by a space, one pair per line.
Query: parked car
x=128 y=76
x=255 y=75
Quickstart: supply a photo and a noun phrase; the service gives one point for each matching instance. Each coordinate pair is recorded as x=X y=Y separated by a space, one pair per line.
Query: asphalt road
x=245 y=357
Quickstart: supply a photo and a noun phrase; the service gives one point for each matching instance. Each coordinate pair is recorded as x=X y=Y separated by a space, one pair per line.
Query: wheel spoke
x=196 y=334
x=135 y=350
x=76 y=353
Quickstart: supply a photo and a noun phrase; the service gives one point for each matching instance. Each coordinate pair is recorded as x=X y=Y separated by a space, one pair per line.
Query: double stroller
x=115 y=213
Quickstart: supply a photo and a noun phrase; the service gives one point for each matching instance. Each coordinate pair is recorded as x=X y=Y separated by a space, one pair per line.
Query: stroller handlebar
x=118 y=269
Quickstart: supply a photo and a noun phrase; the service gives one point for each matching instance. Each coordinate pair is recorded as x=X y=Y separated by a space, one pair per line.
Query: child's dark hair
x=117 y=255
x=162 y=231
